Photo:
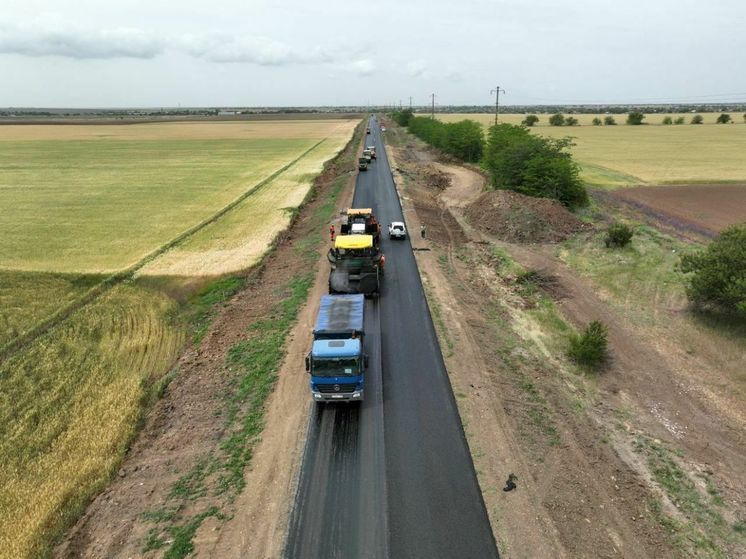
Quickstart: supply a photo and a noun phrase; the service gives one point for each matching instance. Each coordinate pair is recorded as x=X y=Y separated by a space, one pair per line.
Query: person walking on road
x=422 y=230
x=332 y=232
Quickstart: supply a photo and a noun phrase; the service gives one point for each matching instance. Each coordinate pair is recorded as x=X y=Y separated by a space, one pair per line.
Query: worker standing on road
x=422 y=230
x=332 y=233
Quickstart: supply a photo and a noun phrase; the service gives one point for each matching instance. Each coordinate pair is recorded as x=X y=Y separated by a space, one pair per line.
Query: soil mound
x=516 y=218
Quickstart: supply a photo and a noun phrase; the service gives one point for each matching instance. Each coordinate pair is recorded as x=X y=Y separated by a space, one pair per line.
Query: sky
x=160 y=53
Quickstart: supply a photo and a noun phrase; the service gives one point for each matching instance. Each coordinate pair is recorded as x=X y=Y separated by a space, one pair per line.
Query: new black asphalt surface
x=392 y=476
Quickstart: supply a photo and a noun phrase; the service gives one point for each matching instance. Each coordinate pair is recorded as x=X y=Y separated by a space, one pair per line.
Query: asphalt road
x=392 y=476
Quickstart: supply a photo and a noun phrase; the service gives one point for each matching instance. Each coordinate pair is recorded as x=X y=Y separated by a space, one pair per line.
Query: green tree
x=530 y=120
x=667 y=120
x=609 y=120
x=596 y=121
x=571 y=121
x=557 y=119
x=533 y=165
x=697 y=119
x=635 y=118
x=465 y=140
x=718 y=273
x=402 y=118
x=724 y=118
x=679 y=120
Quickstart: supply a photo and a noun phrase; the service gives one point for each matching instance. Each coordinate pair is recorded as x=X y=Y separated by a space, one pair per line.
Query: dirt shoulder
x=182 y=479
x=592 y=453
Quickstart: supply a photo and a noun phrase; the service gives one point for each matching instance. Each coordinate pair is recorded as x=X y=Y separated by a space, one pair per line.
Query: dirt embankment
x=189 y=423
x=516 y=218
x=589 y=452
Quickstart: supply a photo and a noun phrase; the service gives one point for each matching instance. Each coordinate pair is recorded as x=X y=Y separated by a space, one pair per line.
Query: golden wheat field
x=185 y=200
x=623 y=155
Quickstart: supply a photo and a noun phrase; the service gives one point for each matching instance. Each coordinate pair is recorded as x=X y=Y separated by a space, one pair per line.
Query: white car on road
x=397 y=230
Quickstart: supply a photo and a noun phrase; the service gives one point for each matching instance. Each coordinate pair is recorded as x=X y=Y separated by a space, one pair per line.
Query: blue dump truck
x=337 y=360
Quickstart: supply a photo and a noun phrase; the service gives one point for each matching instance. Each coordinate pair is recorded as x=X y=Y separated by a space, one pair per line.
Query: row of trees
x=633 y=119
x=515 y=158
x=463 y=140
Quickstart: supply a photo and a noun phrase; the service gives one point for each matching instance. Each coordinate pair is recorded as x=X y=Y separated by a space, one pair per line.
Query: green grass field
x=618 y=156
x=82 y=203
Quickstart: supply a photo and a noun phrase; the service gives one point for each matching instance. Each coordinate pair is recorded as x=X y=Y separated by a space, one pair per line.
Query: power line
x=497 y=91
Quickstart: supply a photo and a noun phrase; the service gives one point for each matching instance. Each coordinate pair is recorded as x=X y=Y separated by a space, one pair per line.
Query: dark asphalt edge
x=452 y=397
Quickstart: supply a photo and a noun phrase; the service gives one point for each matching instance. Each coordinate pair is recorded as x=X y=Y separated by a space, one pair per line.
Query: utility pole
x=432 y=111
x=497 y=91
x=410 y=102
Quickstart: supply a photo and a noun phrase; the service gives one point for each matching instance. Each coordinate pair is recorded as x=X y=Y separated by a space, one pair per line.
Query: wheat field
x=622 y=155
x=86 y=202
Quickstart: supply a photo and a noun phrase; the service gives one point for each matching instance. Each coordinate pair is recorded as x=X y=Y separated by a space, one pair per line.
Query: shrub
x=596 y=121
x=667 y=120
x=557 y=119
x=635 y=118
x=609 y=120
x=533 y=165
x=571 y=121
x=723 y=119
x=530 y=120
x=679 y=120
x=697 y=119
x=618 y=235
x=590 y=348
x=718 y=273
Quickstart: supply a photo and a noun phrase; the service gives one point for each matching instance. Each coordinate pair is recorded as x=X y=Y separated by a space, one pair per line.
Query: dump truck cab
x=337 y=360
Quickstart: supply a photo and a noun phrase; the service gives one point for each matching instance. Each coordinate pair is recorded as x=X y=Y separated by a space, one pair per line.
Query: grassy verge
x=695 y=517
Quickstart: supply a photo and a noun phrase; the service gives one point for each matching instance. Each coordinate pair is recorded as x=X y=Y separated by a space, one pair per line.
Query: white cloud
x=254 y=50
x=417 y=68
x=50 y=37
x=364 y=67
x=53 y=36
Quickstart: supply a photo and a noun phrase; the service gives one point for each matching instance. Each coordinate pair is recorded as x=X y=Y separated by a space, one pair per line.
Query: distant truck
x=368 y=155
x=337 y=360
x=362 y=164
x=357 y=265
x=367 y=130
x=372 y=150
